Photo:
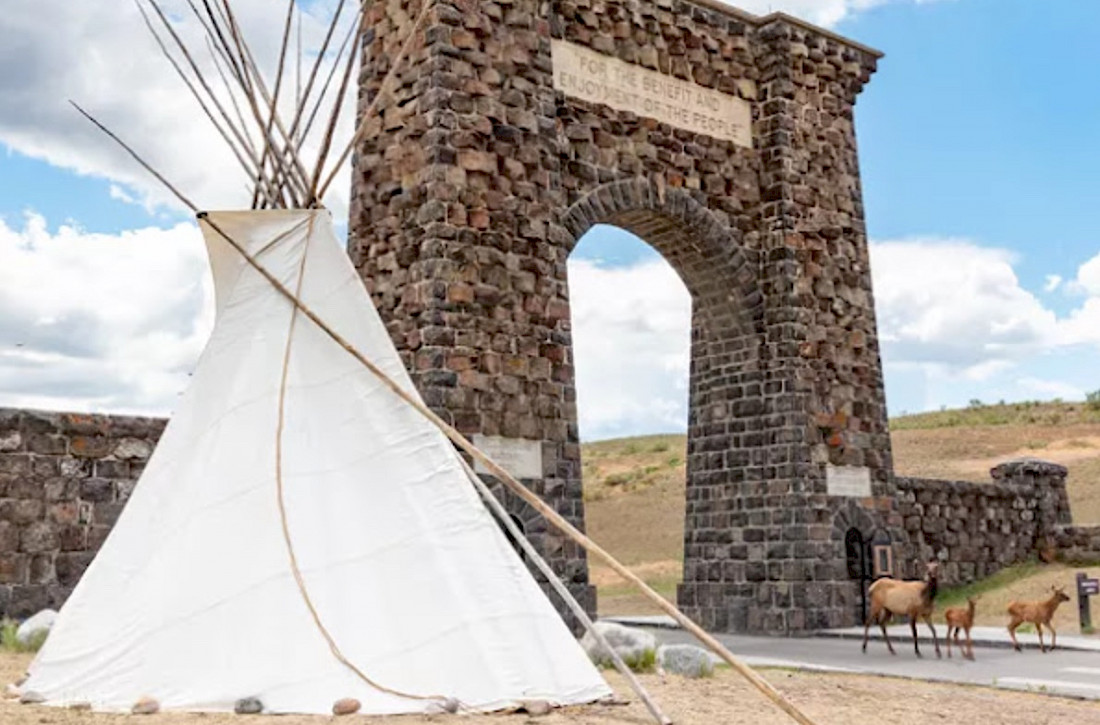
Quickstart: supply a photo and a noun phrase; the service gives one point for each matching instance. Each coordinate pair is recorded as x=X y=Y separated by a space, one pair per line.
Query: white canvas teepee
x=287 y=454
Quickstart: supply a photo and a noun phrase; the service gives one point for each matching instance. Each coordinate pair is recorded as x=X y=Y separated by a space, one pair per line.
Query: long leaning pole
x=523 y=492
x=558 y=586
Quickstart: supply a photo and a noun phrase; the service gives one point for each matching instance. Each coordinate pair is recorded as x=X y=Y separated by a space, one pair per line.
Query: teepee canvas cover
x=285 y=448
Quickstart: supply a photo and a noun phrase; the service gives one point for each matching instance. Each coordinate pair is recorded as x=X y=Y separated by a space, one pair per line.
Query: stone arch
x=851 y=594
x=705 y=252
x=488 y=160
x=727 y=416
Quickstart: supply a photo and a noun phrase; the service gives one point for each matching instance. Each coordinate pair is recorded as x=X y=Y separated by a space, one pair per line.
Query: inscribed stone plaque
x=848 y=481
x=520 y=457
x=590 y=76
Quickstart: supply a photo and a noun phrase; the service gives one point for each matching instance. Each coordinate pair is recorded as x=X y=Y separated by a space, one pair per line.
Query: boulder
x=346 y=706
x=685 y=659
x=636 y=647
x=248 y=706
x=36 y=628
x=536 y=708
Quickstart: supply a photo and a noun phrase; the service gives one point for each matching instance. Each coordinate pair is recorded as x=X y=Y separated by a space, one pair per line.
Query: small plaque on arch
x=854 y=481
x=518 y=456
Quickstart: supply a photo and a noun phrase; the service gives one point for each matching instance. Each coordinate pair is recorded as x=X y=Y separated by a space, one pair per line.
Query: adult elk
x=914 y=599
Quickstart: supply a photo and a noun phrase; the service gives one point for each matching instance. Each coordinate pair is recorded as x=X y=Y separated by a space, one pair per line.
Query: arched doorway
x=859 y=566
x=631 y=325
x=727 y=417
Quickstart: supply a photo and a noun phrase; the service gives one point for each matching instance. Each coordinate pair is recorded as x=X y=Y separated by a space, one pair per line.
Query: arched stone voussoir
x=694 y=239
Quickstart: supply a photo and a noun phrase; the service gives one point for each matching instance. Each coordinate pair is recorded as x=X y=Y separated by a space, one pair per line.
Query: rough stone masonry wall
x=976 y=529
x=1078 y=544
x=64 y=478
x=477 y=180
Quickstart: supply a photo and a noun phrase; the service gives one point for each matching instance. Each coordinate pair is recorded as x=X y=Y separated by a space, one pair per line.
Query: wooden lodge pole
x=562 y=591
x=524 y=493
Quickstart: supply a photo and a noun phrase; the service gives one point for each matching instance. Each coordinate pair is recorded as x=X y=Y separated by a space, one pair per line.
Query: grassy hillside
x=634 y=487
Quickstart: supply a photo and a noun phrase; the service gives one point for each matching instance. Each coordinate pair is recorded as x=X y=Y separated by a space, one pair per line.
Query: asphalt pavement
x=1073 y=672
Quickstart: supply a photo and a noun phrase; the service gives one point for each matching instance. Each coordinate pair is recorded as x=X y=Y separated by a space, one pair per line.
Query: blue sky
x=979 y=159
x=981 y=123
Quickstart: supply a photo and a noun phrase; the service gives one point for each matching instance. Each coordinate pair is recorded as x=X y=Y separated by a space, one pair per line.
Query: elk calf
x=961 y=618
x=1038 y=613
x=912 y=598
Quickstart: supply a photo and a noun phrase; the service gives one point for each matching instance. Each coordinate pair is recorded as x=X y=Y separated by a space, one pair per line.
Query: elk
x=912 y=598
x=1038 y=613
x=961 y=618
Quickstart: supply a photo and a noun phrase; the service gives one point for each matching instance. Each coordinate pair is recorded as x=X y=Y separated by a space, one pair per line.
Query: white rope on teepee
x=446 y=703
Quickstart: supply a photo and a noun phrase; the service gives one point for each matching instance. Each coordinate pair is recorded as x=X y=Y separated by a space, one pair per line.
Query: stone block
x=90 y=446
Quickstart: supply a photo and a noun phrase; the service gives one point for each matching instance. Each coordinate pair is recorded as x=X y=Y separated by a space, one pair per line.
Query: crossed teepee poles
x=248 y=108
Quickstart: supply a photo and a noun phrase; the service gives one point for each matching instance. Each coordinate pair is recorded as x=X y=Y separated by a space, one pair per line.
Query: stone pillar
x=480 y=176
x=453 y=194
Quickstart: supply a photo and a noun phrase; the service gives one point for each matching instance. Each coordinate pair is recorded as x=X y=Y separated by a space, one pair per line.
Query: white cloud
x=100 y=55
x=1087 y=281
x=1083 y=324
x=952 y=303
x=100 y=322
x=1051 y=388
x=956 y=312
x=631 y=338
x=952 y=316
x=117 y=192
x=1052 y=283
x=821 y=12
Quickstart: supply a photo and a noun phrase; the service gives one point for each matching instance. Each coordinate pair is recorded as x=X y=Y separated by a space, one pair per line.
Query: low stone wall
x=1078 y=543
x=64 y=479
x=976 y=529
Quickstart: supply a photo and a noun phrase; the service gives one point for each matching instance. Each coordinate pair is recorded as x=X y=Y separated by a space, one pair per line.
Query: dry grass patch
x=634 y=487
x=1020 y=583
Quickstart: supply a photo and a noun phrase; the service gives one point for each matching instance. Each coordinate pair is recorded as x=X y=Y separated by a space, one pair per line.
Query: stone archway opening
x=726 y=416
x=631 y=328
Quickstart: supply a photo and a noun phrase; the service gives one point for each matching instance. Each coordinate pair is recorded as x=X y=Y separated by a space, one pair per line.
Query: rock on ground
x=685 y=659
x=633 y=645
x=41 y=622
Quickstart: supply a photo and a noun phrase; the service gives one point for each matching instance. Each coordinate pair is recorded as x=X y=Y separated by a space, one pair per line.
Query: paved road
x=1062 y=672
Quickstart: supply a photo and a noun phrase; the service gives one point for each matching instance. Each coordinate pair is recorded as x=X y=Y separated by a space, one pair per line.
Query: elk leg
x=1012 y=625
x=866 y=627
x=969 y=644
x=935 y=639
x=913 y=629
x=1053 y=635
x=1039 y=628
x=885 y=634
x=949 y=639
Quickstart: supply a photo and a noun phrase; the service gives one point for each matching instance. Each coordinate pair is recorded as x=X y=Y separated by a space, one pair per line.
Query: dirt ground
x=724 y=699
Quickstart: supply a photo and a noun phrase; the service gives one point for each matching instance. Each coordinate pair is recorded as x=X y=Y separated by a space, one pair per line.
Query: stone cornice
x=760 y=20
